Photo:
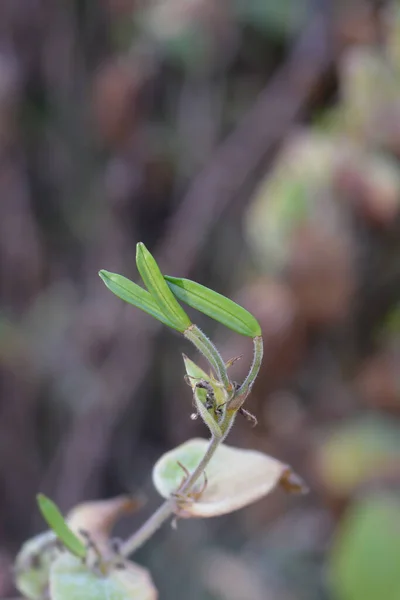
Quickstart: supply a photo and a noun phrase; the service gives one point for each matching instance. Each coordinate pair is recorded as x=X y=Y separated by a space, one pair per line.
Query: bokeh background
x=254 y=146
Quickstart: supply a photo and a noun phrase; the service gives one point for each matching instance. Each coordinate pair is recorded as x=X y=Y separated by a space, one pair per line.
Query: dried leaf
x=70 y=579
x=235 y=477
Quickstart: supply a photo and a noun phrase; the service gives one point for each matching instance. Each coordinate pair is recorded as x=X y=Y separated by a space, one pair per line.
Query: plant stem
x=193 y=477
x=246 y=386
x=148 y=528
x=209 y=351
x=168 y=507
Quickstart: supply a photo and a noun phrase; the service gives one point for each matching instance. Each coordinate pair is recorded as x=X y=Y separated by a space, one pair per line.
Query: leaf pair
x=160 y=299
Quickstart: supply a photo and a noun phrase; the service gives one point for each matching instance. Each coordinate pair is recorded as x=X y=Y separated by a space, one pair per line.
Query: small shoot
x=157 y=301
x=56 y=522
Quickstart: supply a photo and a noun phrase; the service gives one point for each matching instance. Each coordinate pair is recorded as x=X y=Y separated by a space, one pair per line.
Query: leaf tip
x=293 y=483
x=140 y=248
x=103 y=274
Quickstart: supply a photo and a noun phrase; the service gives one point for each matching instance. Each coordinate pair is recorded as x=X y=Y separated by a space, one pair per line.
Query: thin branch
x=217 y=186
x=209 y=351
x=246 y=386
x=161 y=515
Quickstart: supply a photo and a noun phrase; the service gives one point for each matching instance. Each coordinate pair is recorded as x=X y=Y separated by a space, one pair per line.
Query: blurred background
x=254 y=146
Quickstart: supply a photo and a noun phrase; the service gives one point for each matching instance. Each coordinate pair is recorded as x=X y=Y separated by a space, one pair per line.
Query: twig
x=219 y=184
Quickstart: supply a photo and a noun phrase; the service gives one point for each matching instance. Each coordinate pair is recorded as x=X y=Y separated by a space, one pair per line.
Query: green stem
x=227 y=422
x=246 y=386
x=209 y=351
x=167 y=509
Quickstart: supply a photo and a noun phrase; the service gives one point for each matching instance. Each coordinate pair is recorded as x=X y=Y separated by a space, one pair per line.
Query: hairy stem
x=193 y=477
x=163 y=513
x=207 y=348
x=209 y=351
x=246 y=386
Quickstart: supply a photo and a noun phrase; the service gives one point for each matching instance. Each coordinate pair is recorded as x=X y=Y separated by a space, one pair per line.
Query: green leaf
x=214 y=305
x=364 y=562
x=160 y=291
x=235 y=477
x=55 y=520
x=134 y=294
x=72 y=580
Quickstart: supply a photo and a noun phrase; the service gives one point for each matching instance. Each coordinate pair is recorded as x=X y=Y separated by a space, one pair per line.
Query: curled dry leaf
x=99 y=517
x=235 y=478
x=70 y=579
x=31 y=568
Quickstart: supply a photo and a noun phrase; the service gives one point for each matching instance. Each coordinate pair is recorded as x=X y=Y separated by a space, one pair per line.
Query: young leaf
x=56 y=521
x=131 y=292
x=160 y=291
x=214 y=305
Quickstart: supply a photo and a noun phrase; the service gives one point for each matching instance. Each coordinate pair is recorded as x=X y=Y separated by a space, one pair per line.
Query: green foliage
x=237 y=477
x=160 y=291
x=160 y=299
x=134 y=294
x=365 y=557
x=214 y=305
x=56 y=521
